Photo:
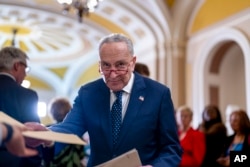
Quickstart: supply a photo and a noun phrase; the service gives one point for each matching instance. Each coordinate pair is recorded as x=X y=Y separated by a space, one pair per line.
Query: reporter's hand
x=36 y=142
x=224 y=161
x=17 y=146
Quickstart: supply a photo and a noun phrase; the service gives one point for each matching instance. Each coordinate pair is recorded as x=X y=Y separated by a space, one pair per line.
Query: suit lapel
x=104 y=108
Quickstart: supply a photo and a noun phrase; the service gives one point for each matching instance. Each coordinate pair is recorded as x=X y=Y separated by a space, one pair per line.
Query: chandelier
x=14 y=32
x=81 y=7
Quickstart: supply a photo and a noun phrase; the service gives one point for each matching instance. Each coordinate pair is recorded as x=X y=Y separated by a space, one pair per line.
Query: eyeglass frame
x=118 y=71
x=27 y=68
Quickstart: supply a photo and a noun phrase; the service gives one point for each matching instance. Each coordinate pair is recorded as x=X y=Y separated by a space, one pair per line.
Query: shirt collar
x=128 y=87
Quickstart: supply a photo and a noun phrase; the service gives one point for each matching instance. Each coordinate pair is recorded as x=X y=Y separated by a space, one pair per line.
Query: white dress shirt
x=125 y=95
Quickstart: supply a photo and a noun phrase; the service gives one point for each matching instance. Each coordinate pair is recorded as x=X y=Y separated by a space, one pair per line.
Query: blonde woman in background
x=192 y=141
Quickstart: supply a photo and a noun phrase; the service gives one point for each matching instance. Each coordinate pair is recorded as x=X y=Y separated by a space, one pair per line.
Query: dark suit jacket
x=149 y=124
x=21 y=104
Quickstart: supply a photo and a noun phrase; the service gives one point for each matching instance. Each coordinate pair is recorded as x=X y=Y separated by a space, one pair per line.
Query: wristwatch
x=9 y=133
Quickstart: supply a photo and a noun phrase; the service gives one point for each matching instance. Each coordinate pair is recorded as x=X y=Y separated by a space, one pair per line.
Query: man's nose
x=113 y=74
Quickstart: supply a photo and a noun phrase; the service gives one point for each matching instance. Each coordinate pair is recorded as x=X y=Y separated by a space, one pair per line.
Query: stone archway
x=208 y=58
x=224 y=77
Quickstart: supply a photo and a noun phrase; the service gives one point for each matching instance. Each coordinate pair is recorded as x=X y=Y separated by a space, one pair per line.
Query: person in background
x=59 y=108
x=16 y=101
x=64 y=154
x=239 y=141
x=142 y=69
x=192 y=141
x=142 y=116
x=12 y=138
x=215 y=133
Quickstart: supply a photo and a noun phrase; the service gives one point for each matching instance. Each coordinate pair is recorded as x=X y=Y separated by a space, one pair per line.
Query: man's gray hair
x=9 y=56
x=118 y=38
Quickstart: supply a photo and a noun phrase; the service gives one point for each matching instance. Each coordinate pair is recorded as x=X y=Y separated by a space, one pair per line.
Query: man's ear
x=15 y=66
x=134 y=59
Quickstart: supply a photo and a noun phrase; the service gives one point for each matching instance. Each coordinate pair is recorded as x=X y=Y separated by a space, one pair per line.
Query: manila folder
x=128 y=159
x=43 y=135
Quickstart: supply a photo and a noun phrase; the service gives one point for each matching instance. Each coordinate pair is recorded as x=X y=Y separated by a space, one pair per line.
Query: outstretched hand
x=34 y=126
x=16 y=145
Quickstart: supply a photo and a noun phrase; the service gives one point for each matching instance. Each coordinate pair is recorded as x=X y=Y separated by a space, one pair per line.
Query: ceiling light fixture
x=82 y=7
x=14 y=32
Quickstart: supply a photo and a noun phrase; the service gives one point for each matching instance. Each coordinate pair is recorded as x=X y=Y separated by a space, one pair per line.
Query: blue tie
x=116 y=116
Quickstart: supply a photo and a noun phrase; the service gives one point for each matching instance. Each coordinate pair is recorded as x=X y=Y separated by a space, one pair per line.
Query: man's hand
x=36 y=142
x=16 y=144
x=224 y=161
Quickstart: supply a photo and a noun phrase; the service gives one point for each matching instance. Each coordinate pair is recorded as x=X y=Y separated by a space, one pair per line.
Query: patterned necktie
x=116 y=116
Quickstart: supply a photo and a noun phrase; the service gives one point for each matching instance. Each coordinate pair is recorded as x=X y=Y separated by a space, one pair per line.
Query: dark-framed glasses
x=27 y=68
x=121 y=68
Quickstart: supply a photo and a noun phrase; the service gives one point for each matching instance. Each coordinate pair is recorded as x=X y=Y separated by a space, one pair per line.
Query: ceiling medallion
x=46 y=37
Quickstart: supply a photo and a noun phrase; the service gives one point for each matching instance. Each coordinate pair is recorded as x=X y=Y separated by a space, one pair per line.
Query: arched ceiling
x=213 y=11
x=63 y=52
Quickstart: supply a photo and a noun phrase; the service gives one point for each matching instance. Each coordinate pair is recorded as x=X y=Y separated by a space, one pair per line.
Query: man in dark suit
x=16 y=101
x=147 y=116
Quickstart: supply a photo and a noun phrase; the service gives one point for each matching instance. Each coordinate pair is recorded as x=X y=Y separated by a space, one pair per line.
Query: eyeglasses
x=27 y=68
x=121 y=68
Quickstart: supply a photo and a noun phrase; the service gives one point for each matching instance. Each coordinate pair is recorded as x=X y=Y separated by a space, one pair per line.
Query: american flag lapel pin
x=141 y=98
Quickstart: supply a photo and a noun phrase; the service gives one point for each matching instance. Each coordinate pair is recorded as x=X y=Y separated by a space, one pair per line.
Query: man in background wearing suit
x=16 y=101
x=147 y=118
